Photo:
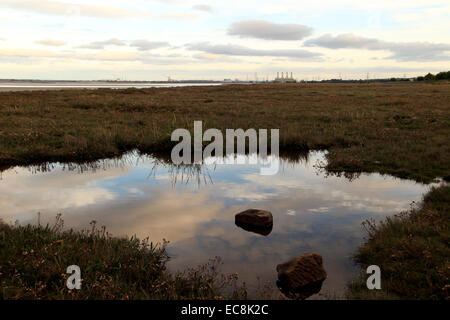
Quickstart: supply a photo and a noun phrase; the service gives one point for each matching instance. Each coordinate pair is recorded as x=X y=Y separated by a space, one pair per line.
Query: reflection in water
x=184 y=173
x=264 y=231
x=194 y=208
x=300 y=293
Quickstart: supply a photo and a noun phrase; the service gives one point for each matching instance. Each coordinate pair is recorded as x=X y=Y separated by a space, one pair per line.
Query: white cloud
x=99 y=56
x=92 y=11
x=203 y=7
x=50 y=42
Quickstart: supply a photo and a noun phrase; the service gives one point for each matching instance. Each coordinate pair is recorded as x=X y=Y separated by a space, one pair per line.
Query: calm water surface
x=27 y=86
x=194 y=209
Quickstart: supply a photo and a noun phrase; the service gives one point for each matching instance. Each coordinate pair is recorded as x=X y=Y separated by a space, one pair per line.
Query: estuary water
x=193 y=207
x=29 y=86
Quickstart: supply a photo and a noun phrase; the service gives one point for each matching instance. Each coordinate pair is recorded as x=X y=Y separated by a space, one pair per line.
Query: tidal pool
x=194 y=208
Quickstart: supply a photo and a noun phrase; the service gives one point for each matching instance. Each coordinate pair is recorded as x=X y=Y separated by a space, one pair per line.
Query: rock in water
x=302 y=276
x=259 y=221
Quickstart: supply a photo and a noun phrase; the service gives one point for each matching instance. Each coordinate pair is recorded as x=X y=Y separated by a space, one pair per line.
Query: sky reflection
x=137 y=196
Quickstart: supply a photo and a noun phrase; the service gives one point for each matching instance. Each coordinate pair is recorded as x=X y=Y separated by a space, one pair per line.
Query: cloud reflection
x=311 y=212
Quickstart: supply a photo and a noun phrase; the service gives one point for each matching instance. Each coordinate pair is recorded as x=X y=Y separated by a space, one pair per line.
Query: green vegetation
x=440 y=76
x=33 y=262
x=413 y=251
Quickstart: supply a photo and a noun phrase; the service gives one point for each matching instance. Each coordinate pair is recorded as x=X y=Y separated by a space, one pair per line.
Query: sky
x=251 y=39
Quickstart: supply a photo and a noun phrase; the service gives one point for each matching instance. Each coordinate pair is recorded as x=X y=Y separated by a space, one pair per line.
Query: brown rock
x=302 y=276
x=255 y=218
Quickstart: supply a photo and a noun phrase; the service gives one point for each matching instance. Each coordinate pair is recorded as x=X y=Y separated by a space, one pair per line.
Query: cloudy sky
x=184 y=39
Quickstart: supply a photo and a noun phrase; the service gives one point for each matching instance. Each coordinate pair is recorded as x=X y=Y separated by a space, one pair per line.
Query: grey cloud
x=203 y=7
x=401 y=51
x=144 y=45
x=237 y=50
x=103 y=44
x=262 y=29
x=420 y=51
x=346 y=40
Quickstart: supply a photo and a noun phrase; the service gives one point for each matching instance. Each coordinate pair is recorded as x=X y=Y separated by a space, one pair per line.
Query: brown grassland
x=398 y=128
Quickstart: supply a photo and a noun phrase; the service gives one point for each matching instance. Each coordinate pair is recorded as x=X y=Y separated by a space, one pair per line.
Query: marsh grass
x=33 y=262
x=395 y=128
x=412 y=250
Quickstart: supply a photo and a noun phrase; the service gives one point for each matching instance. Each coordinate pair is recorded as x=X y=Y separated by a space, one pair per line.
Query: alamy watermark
x=374 y=281
x=186 y=152
x=74 y=281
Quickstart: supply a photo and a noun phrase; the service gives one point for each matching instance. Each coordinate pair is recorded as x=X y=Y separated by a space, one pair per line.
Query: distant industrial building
x=284 y=78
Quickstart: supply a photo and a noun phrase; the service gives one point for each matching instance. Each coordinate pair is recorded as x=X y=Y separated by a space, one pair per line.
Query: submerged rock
x=302 y=276
x=255 y=220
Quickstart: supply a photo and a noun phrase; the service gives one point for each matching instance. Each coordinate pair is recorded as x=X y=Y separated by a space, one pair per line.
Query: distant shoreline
x=32 y=85
x=106 y=80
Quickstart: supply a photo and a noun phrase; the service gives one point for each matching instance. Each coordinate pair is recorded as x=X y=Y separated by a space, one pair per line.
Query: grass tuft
x=412 y=249
x=33 y=262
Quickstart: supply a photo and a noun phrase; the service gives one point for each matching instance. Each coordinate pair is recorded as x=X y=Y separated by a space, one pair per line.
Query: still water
x=26 y=86
x=194 y=208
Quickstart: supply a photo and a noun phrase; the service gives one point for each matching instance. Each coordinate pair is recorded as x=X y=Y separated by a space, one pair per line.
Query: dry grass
x=33 y=262
x=412 y=250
